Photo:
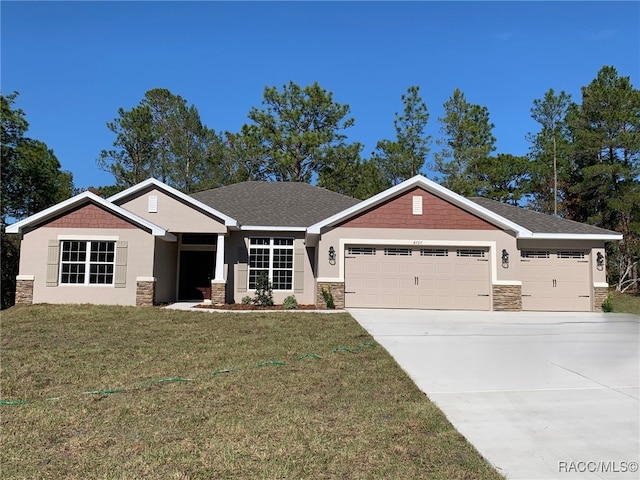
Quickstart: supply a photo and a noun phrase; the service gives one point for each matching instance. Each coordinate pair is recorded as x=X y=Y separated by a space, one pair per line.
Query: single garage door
x=410 y=277
x=555 y=280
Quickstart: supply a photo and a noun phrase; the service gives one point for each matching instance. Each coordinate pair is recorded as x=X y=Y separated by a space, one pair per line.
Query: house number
x=417 y=242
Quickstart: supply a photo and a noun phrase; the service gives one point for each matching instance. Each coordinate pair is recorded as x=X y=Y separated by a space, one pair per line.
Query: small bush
x=264 y=291
x=290 y=303
x=607 y=305
x=247 y=300
x=328 y=298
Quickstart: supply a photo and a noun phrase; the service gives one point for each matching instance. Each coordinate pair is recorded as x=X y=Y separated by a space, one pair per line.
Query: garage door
x=407 y=277
x=555 y=280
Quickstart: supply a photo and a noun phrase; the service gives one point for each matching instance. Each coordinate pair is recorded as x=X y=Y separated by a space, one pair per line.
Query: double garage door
x=446 y=278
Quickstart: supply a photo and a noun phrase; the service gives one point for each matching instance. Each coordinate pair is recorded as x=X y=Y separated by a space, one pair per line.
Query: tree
x=550 y=150
x=297 y=131
x=164 y=138
x=404 y=157
x=32 y=180
x=505 y=178
x=466 y=145
x=605 y=179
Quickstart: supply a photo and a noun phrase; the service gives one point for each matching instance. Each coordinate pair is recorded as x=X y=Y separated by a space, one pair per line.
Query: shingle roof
x=283 y=204
x=538 y=222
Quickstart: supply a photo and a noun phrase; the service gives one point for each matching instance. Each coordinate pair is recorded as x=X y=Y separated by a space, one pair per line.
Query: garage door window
x=434 y=252
x=470 y=252
x=574 y=255
x=534 y=254
x=405 y=252
x=361 y=251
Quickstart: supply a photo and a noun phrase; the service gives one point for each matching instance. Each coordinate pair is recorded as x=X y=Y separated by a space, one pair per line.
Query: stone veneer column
x=145 y=291
x=24 y=289
x=599 y=294
x=336 y=289
x=218 y=292
x=507 y=298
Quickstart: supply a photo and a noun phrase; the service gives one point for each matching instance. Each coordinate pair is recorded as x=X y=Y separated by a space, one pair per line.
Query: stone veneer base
x=218 y=293
x=145 y=293
x=24 y=292
x=599 y=294
x=336 y=289
x=507 y=298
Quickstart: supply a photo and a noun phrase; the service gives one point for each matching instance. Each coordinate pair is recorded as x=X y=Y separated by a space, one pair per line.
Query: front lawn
x=150 y=393
x=625 y=303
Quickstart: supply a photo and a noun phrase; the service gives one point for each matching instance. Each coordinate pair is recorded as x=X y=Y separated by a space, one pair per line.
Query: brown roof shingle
x=281 y=204
x=538 y=222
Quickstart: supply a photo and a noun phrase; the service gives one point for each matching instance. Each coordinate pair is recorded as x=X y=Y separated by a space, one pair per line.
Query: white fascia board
x=228 y=221
x=80 y=198
x=576 y=236
x=429 y=186
x=267 y=228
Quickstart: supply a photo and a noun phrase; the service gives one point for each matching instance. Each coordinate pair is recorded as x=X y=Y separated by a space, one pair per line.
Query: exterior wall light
x=599 y=261
x=332 y=255
x=505 y=258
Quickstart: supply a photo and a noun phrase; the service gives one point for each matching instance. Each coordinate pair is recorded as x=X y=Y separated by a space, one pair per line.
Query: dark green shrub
x=290 y=303
x=264 y=291
x=328 y=298
x=247 y=300
x=607 y=305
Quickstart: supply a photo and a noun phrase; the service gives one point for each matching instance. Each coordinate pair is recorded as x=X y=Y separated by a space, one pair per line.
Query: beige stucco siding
x=339 y=238
x=173 y=214
x=236 y=284
x=33 y=262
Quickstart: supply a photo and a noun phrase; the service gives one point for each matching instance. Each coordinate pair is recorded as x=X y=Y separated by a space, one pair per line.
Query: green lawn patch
x=625 y=303
x=116 y=392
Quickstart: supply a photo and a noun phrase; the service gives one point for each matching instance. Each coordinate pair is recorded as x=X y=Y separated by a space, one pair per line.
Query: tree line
x=583 y=163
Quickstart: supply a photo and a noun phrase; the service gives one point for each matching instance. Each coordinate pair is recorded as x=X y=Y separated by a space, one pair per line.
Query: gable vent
x=153 y=204
x=417 y=205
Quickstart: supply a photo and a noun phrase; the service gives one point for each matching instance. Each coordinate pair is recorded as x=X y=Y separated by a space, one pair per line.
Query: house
x=415 y=245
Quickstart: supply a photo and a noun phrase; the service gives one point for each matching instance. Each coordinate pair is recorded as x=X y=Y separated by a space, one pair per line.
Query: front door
x=196 y=271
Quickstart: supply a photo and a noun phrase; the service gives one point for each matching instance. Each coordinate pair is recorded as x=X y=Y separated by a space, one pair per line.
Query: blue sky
x=76 y=63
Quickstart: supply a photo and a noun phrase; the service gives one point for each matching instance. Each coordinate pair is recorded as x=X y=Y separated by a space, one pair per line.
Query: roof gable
x=78 y=201
x=435 y=213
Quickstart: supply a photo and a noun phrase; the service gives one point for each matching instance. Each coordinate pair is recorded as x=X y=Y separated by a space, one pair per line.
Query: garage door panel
x=406 y=278
x=555 y=280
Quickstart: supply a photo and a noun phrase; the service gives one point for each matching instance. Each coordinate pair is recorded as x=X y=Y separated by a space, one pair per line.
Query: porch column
x=219 y=275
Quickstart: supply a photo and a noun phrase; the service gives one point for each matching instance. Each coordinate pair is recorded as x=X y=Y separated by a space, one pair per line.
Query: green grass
x=625 y=303
x=325 y=415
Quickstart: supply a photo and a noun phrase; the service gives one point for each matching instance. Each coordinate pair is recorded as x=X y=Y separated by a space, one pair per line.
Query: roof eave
x=576 y=236
x=271 y=228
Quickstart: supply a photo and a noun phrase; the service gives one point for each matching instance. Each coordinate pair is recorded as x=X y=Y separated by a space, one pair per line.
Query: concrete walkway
x=540 y=395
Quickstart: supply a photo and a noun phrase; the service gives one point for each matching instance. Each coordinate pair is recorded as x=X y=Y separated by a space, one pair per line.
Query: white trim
x=84 y=197
x=600 y=285
x=576 y=236
x=267 y=228
x=104 y=238
x=146 y=279
x=219 y=273
x=25 y=277
x=429 y=186
x=228 y=221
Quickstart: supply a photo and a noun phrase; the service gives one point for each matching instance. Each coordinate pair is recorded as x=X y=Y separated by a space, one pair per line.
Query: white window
x=87 y=262
x=274 y=256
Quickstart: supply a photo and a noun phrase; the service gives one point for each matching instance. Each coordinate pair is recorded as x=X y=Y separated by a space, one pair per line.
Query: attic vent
x=417 y=205
x=153 y=204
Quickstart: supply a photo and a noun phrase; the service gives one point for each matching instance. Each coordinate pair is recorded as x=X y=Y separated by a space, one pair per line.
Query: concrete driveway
x=540 y=395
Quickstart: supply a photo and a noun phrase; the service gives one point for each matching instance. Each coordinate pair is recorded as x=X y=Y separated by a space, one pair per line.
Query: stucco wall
x=341 y=236
x=173 y=214
x=33 y=261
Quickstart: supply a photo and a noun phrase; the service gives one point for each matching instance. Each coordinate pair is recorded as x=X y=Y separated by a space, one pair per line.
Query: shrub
x=264 y=291
x=607 y=305
x=290 y=303
x=247 y=300
x=328 y=298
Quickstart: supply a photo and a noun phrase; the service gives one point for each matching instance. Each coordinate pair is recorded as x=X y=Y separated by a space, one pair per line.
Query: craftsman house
x=415 y=245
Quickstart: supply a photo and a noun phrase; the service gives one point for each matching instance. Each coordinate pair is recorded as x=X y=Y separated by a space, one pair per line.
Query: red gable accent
x=436 y=214
x=88 y=216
